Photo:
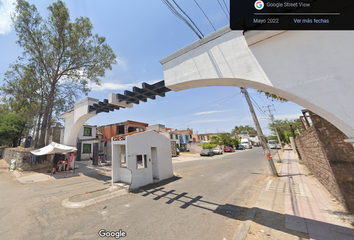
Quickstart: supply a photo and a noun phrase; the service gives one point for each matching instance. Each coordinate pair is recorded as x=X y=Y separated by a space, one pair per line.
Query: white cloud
x=122 y=63
x=211 y=112
x=6 y=8
x=115 y=86
x=214 y=120
x=288 y=116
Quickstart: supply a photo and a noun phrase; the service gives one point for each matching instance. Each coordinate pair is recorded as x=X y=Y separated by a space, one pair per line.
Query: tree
x=206 y=145
x=273 y=97
x=283 y=127
x=12 y=127
x=244 y=130
x=234 y=142
x=65 y=56
x=223 y=139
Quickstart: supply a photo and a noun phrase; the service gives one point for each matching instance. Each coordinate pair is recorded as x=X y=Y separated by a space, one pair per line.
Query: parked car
x=240 y=147
x=217 y=151
x=177 y=150
x=273 y=145
x=229 y=149
x=206 y=152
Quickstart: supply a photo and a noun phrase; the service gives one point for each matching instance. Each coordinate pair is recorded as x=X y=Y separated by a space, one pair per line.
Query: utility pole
x=271 y=116
x=261 y=137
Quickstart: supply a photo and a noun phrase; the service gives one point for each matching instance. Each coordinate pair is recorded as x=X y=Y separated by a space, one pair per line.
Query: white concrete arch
x=76 y=118
x=311 y=68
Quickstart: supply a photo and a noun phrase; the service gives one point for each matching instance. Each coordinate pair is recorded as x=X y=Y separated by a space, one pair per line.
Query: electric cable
x=208 y=110
x=174 y=11
x=205 y=15
x=233 y=95
x=226 y=6
x=223 y=10
x=188 y=18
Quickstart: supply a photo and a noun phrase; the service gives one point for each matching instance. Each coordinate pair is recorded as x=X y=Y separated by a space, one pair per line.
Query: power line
x=188 y=18
x=226 y=6
x=205 y=15
x=259 y=108
x=178 y=15
x=209 y=109
x=233 y=95
x=223 y=10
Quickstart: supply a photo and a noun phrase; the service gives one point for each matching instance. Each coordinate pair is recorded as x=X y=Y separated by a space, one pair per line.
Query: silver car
x=217 y=151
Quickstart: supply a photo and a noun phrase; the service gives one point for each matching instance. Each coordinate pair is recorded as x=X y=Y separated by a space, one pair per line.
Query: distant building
x=174 y=137
x=129 y=126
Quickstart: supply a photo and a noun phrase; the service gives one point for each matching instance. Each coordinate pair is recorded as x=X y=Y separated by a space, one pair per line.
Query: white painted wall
x=311 y=68
x=141 y=144
x=74 y=120
x=86 y=156
x=81 y=133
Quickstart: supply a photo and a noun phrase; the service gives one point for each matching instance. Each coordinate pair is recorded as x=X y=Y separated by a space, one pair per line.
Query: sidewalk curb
x=68 y=204
x=242 y=230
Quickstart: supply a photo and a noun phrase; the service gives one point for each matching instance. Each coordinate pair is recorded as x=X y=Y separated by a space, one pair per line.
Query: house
x=140 y=158
x=174 y=138
x=86 y=138
x=129 y=126
x=205 y=137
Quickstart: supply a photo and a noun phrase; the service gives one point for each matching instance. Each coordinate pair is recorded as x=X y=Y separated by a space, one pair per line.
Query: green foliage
x=273 y=138
x=234 y=142
x=273 y=96
x=11 y=127
x=223 y=139
x=283 y=127
x=60 y=57
x=206 y=145
x=244 y=130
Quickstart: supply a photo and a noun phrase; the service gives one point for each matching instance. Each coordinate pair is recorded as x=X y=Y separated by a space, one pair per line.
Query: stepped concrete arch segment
x=311 y=68
x=76 y=118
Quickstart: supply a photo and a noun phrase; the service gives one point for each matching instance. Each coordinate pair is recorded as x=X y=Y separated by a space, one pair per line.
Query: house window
x=171 y=136
x=86 y=148
x=141 y=161
x=87 y=131
x=176 y=136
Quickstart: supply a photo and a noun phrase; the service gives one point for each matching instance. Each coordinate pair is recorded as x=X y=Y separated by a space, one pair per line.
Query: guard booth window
x=141 y=161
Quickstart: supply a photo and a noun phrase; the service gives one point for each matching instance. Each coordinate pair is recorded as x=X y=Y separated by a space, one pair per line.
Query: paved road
x=208 y=201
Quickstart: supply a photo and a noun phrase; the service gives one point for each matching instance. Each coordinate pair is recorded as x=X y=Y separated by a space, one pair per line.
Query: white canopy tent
x=52 y=148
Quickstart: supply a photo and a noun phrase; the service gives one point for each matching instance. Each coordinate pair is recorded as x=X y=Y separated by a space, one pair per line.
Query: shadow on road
x=262 y=217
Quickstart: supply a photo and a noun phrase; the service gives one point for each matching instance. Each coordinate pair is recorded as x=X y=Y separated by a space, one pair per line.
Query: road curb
x=242 y=230
x=68 y=204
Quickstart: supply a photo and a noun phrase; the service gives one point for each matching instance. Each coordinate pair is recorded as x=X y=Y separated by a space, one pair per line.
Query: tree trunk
x=37 y=130
x=49 y=125
x=46 y=114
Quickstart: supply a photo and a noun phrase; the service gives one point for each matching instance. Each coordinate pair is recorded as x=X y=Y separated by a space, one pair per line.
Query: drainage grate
x=299 y=189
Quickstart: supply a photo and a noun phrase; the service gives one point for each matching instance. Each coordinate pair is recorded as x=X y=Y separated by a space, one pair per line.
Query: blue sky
x=141 y=33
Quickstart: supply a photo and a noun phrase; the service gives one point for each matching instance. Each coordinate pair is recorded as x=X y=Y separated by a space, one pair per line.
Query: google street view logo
x=259 y=5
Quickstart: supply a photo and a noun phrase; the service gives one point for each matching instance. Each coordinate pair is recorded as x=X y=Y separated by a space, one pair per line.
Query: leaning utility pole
x=271 y=116
x=260 y=134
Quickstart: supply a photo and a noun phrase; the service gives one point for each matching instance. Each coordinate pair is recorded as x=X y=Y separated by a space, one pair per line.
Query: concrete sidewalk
x=297 y=206
x=81 y=168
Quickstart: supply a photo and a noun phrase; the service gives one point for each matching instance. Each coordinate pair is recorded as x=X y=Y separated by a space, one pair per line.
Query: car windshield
x=205 y=150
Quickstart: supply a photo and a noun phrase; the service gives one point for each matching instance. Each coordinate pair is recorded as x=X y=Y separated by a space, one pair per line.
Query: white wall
x=140 y=144
x=86 y=156
x=93 y=133
x=74 y=120
x=311 y=68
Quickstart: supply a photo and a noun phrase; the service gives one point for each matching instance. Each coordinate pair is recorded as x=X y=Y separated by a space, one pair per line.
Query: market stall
x=63 y=155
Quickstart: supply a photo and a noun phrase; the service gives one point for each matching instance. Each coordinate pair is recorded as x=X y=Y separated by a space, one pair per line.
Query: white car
x=217 y=151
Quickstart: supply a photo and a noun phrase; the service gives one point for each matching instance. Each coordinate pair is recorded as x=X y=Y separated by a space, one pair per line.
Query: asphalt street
x=208 y=200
